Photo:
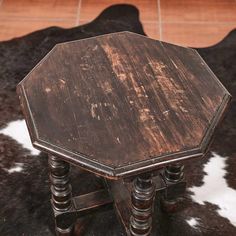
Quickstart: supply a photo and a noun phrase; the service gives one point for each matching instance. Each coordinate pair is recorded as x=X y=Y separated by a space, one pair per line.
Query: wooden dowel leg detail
x=61 y=199
x=176 y=186
x=174 y=173
x=142 y=198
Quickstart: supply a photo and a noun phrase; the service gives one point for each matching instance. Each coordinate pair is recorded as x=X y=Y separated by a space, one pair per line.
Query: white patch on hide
x=17 y=130
x=215 y=189
x=193 y=222
x=17 y=168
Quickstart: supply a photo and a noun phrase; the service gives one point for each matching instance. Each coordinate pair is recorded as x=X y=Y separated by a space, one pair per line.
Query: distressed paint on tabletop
x=122 y=102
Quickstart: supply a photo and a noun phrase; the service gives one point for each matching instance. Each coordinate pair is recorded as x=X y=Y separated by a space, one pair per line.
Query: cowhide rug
x=24 y=186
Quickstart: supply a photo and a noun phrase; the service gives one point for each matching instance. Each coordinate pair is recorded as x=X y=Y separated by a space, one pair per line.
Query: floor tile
x=91 y=8
x=191 y=23
x=39 y=8
x=194 y=35
x=151 y=29
x=200 y=10
x=16 y=28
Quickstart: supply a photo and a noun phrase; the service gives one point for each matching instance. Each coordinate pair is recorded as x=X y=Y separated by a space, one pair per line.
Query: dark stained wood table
x=128 y=108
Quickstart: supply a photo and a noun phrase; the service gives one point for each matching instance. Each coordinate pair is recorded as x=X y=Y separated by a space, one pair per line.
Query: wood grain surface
x=122 y=103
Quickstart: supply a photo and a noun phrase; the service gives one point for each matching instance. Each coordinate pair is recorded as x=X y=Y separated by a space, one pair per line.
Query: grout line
x=159 y=18
x=78 y=13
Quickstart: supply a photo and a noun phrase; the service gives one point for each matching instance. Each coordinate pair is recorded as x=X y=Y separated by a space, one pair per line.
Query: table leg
x=142 y=197
x=61 y=193
x=174 y=173
x=176 y=186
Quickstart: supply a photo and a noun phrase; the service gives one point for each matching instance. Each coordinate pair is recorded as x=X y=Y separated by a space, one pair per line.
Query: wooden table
x=128 y=108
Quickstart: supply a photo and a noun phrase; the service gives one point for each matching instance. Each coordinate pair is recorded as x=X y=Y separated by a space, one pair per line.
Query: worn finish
x=122 y=103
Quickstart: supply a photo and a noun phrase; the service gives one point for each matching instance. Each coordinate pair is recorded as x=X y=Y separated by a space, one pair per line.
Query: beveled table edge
x=127 y=170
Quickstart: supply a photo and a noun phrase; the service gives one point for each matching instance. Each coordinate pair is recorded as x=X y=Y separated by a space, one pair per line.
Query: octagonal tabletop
x=122 y=103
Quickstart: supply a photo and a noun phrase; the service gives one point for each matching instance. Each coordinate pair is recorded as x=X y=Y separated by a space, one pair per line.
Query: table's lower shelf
x=115 y=194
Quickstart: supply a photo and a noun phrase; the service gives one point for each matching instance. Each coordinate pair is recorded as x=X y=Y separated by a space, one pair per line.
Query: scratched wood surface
x=114 y=101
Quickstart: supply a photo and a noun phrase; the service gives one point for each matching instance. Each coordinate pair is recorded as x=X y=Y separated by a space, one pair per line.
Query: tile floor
x=195 y=23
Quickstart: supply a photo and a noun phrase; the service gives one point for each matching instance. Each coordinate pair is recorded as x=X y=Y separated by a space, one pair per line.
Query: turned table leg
x=142 y=198
x=176 y=186
x=174 y=173
x=61 y=192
